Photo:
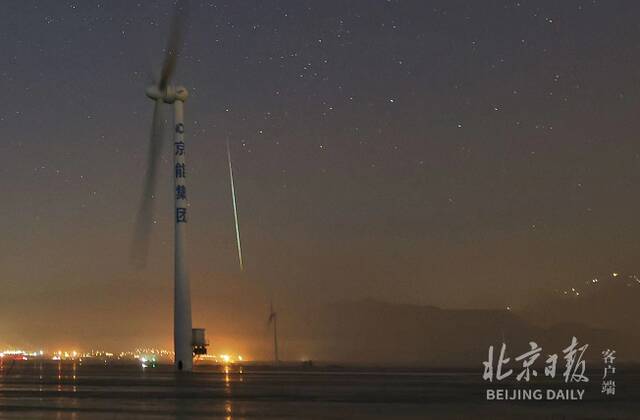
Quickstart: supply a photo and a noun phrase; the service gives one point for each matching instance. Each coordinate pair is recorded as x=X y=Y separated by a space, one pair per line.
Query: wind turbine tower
x=164 y=92
x=273 y=317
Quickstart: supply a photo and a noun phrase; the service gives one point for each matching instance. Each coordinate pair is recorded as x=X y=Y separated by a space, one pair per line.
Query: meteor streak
x=235 y=207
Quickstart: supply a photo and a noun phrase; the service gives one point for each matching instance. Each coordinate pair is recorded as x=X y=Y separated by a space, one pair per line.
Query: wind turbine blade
x=145 y=213
x=173 y=44
x=235 y=208
x=272 y=313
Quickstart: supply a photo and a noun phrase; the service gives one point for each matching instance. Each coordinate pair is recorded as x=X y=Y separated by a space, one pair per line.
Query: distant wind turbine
x=273 y=317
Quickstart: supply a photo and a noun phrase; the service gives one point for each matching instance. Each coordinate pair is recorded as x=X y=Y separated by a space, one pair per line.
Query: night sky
x=455 y=153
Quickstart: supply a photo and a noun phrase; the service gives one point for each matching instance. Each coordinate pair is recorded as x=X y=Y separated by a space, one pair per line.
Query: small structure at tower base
x=199 y=341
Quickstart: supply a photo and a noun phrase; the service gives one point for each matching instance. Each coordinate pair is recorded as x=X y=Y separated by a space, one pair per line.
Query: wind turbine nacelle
x=169 y=95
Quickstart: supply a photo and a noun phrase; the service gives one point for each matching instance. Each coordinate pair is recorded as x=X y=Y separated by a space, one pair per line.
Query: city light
x=147 y=357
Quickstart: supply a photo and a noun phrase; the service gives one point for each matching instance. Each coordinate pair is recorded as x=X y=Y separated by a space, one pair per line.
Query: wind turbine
x=273 y=317
x=164 y=92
